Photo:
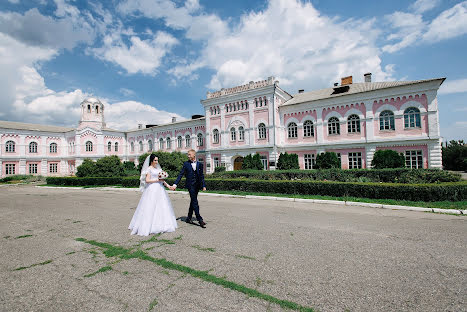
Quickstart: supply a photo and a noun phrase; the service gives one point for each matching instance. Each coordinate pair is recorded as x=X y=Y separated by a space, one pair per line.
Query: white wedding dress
x=154 y=213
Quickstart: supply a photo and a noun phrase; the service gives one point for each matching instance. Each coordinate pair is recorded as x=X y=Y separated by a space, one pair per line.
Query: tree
x=252 y=162
x=455 y=156
x=327 y=160
x=109 y=166
x=129 y=165
x=387 y=159
x=86 y=169
x=170 y=162
x=287 y=161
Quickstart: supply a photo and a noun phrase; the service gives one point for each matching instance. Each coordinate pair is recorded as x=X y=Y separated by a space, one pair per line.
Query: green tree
x=387 y=159
x=287 y=161
x=109 y=166
x=129 y=165
x=455 y=156
x=86 y=169
x=170 y=162
x=327 y=160
x=252 y=162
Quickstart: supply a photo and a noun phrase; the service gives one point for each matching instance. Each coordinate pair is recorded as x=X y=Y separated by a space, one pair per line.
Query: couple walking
x=154 y=213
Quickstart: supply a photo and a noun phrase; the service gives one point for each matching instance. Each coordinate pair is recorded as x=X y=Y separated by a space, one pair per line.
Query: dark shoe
x=188 y=221
x=202 y=224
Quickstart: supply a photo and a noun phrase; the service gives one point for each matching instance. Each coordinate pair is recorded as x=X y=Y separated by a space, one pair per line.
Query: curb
x=289 y=199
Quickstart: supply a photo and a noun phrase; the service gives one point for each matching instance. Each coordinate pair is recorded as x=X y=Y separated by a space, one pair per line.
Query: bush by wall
x=287 y=161
x=252 y=162
x=387 y=159
x=85 y=181
x=327 y=160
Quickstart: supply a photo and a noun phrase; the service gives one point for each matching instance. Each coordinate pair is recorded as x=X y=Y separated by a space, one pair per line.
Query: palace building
x=353 y=120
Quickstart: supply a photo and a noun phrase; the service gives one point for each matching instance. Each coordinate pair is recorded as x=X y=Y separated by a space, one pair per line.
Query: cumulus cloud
x=449 y=24
x=453 y=86
x=421 y=6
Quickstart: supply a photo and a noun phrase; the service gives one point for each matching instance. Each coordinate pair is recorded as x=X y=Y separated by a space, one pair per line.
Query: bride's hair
x=151 y=158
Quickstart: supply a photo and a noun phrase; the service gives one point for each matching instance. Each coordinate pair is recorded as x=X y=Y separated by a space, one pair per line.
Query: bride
x=154 y=213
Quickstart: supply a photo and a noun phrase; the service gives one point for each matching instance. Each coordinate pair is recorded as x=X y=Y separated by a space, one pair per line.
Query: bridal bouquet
x=163 y=175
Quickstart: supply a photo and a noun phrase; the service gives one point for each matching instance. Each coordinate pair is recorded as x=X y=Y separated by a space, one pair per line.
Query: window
x=339 y=159
x=241 y=133
x=309 y=161
x=334 y=126
x=292 y=130
x=413 y=159
x=233 y=134
x=386 y=120
x=150 y=147
x=353 y=124
x=161 y=143
x=33 y=147
x=355 y=160
x=10 y=147
x=217 y=162
x=53 y=148
x=262 y=131
x=412 y=118
x=264 y=161
x=169 y=143
x=179 y=141
x=89 y=108
x=215 y=136
x=53 y=168
x=256 y=102
x=32 y=168
x=265 y=101
x=97 y=109
x=187 y=140
x=140 y=146
x=116 y=146
x=109 y=146
x=200 y=139
x=9 y=168
x=132 y=147
x=308 y=130
x=88 y=146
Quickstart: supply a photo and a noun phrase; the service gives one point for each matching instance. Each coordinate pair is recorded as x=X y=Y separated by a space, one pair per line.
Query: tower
x=92 y=114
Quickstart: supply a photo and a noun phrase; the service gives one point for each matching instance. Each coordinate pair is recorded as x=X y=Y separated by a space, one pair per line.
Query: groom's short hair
x=192 y=151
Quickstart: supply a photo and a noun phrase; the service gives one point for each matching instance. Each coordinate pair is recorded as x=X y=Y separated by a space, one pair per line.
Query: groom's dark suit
x=194 y=182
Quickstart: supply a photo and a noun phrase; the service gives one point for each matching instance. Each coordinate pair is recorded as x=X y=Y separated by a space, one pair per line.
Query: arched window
x=97 y=109
x=412 y=118
x=241 y=133
x=292 y=130
x=262 y=131
x=150 y=146
x=260 y=102
x=33 y=147
x=308 y=130
x=116 y=146
x=334 y=126
x=140 y=146
x=200 y=139
x=233 y=134
x=179 y=141
x=215 y=136
x=88 y=146
x=256 y=102
x=353 y=124
x=386 y=120
x=265 y=101
x=161 y=143
x=132 y=147
x=53 y=148
x=109 y=146
x=187 y=140
x=89 y=108
x=169 y=145
x=210 y=109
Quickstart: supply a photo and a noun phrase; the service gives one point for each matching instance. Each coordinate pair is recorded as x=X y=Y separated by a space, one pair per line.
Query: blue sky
x=149 y=60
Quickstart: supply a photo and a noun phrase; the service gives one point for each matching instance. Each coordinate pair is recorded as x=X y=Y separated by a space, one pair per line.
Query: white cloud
x=409 y=29
x=421 y=6
x=453 y=86
x=449 y=24
x=14 y=1
x=143 y=56
x=127 y=92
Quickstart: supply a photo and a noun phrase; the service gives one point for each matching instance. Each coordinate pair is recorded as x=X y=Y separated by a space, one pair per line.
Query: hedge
x=413 y=192
x=398 y=175
x=75 y=181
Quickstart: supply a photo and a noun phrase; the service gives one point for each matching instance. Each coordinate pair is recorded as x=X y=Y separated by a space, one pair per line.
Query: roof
x=34 y=127
x=168 y=124
x=353 y=89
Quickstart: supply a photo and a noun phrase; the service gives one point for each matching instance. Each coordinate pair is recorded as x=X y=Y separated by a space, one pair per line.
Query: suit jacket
x=193 y=180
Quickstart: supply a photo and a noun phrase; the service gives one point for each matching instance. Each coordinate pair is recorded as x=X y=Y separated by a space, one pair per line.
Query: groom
x=193 y=171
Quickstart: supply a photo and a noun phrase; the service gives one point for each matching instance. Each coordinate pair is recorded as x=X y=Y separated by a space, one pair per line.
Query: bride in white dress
x=154 y=213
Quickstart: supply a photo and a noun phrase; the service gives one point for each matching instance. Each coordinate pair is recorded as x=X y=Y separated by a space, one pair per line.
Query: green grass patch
x=245 y=257
x=101 y=270
x=204 y=249
x=70 y=253
x=110 y=250
x=152 y=304
x=125 y=273
x=24 y=236
x=77 y=221
x=33 y=265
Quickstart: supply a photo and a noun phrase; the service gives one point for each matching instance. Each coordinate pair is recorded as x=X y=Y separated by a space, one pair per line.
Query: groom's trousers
x=194 y=204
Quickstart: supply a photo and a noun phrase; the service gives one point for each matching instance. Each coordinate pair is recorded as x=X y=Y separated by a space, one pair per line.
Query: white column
x=207 y=160
x=435 y=157
x=433 y=118
x=319 y=126
x=64 y=170
x=44 y=170
x=252 y=131
x=369 y=153
x=22 y=166
x=1 y=168
x=369 y=123
x=208 y=132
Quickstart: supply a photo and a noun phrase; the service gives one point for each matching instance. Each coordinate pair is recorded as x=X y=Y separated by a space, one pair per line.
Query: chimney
x=140 y=126
x=301 y=91
x=346 y=80
x=174 y=119
x=367 y=77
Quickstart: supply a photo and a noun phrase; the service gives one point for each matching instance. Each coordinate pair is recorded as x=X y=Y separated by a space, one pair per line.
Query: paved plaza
x=70 y=250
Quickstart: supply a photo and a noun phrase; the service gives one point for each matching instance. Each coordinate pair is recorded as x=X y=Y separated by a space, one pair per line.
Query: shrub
x=287 y=161
x=129 y=165
x=252 y=162
x=170 y=162
x=86 y=181
x=109 y=166
x=388 y=159
x=86 y=169
x=219 y=169
x=327 y=160
x=455 y=156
